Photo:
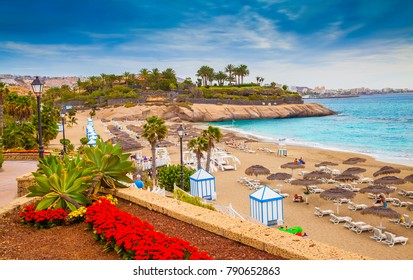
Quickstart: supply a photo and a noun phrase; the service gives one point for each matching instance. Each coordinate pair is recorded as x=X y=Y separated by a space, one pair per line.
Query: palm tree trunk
x=208 y=162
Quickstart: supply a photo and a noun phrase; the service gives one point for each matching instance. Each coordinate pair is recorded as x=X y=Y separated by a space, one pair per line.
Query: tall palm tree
x=206 y=73
x=154 y=130
x=144 y=76
x=198 y=146
x=243 y=71
x=237 y=73
x=230 y=70
x=212 y=134
x=221 y=77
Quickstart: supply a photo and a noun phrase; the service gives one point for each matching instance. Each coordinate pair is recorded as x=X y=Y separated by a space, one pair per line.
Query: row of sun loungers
x=408 y=222
x=250 y=183
x=406 y=193
x=359 y=227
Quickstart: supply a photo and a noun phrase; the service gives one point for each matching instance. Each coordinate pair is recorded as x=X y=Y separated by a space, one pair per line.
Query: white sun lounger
x=339 y=219
x=320 y=213
x=378 y=235
x=397 y=202
x=361 y=228
x=392 y=239
x=352 y=224
x=354 y=207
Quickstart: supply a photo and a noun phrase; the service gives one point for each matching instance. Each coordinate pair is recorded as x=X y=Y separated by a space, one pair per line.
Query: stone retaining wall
x=261 y=237
x=23 y=182
x=20 y=156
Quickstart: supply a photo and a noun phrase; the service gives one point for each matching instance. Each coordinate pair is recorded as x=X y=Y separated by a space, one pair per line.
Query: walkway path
x=8 y=174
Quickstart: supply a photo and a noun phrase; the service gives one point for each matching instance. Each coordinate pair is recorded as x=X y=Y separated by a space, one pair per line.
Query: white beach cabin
x=266 y=206
x=202 y=184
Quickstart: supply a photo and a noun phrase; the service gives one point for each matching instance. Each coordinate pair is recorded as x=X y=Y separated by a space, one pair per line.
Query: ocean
x=379 y=125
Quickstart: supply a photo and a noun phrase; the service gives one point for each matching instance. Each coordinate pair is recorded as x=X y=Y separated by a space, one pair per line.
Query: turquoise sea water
x=377 y=125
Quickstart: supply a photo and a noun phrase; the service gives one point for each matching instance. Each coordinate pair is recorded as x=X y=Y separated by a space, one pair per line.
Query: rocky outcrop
x=232 y=112
x=215 y=113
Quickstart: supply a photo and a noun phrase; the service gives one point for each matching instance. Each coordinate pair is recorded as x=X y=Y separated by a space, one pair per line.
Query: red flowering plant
x=43 y=219
x=133 y=238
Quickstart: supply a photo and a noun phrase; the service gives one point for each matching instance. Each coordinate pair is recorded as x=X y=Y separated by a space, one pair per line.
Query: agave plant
x=109 y=166
x=61 y=183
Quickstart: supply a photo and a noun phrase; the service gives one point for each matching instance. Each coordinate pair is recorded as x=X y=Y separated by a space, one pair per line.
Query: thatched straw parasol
x=279 y=176
x=257 y=170
x=317 y=175
x=376 y=189
x=381 y=212
x=337 y=193
x=346 y=178
x=292 y=166
x=354 y=160
x=385 y=170
x=409 y=178
x=386 y=180
x=326 y=163
x=305 y=182
x=353 y=170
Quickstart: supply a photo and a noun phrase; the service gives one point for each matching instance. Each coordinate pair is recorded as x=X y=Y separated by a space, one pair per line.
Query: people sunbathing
x=298 y=198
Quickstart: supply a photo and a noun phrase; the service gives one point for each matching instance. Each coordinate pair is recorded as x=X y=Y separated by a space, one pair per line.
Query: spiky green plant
x=109 y=166
x=61 y=183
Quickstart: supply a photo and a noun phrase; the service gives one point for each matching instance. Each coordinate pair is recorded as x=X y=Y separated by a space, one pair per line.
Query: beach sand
x=229 y=191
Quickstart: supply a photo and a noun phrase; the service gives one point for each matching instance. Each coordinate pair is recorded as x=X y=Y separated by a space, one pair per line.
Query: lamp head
x=181 y=131
x=37 y=86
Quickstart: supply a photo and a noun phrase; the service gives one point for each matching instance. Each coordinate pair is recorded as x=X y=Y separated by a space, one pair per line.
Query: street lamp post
x=37 y=87
x=181 y=131
x=62 y=114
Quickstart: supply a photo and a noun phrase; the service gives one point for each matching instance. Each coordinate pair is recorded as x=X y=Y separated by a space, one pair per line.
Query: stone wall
x=268 y=239
x=23 y=182
x=20 y=156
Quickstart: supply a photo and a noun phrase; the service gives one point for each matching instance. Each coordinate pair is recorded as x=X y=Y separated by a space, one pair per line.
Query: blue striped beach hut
x=266 y=206
x=202 y=184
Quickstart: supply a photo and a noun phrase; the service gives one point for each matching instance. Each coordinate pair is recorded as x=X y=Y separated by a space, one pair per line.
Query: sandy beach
x=229 y=191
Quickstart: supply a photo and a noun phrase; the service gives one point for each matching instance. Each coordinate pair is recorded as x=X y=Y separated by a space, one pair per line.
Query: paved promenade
x=8 y=174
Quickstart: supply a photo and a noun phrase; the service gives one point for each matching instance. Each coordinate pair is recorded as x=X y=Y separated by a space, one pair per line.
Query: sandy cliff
x=211 y=113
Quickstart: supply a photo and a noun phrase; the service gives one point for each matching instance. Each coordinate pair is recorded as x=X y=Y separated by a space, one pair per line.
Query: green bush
x=129 y=105
x=170 y=175
x=194 y=200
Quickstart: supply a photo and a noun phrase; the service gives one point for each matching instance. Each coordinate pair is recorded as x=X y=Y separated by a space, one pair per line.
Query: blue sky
x=335 y=43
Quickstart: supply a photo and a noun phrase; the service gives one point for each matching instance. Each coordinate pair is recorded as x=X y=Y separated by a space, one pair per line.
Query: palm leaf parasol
x=337 y=193
x=346 y=177
x=385 y=170
x=409 y=178
x=354 y=160
x=306 y=183
x=326 y=163
x=292 y=166
x=386 y=180
x=376 y=189
x=257 y=170
x=279 y=176
x=354 y=170
x=381 y=212
x=317 y=175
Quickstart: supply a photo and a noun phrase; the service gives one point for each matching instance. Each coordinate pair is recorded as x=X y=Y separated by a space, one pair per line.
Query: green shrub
x=170 y=175
x=194 y=200
x=129 y=105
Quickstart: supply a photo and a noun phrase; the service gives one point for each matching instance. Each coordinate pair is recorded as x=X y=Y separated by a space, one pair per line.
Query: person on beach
x=295 y=160
x=383 y=200
x=138 y=182
x=301 y=161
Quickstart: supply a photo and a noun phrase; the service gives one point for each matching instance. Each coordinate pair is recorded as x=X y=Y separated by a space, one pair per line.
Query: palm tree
x=243 y=71
x=3 y=93
x=221 y=77
x=237 y=73
x=144 y=75
x=230 y=70
x=198 y=146
x=153 y=130
x=206 y=73
x=259 y=80
x=212 y=134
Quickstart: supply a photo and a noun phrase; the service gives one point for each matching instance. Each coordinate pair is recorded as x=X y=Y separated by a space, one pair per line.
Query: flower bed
x=133 y=238
x=43 y=218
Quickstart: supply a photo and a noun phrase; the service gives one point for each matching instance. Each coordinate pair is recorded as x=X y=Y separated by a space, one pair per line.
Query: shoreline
x=272 y=140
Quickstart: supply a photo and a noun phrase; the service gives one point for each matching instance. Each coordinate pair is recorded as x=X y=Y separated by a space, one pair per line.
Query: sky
x=332 y=43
